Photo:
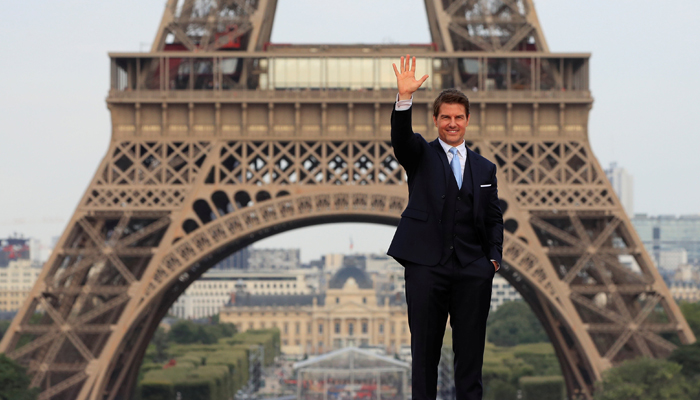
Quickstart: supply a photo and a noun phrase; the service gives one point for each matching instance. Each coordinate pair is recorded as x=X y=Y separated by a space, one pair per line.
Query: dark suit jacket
x=418 y=238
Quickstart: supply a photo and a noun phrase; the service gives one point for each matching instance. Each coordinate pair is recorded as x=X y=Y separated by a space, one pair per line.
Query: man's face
x=452 y=121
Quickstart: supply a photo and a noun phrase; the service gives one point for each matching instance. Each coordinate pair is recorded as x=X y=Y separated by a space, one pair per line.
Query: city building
x=15 y=248
x=274 y=259
x=623 y=185
x=206 y=296
x=381 y=263
x=685 y=291
x=669 y=232
x=16 y=281
x=672 y=259
x=350 y=313
x=332 y=262
x=502 y=292
x=237 y=260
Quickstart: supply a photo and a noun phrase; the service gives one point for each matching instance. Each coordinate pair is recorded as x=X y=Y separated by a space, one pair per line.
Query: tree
x=687 y=357
x=514 y=323
x=14 y=382
x=205 y=336
x=691 y=312
x=183 y=332
x=160 y=342
x=4 y=325
x=645 y=379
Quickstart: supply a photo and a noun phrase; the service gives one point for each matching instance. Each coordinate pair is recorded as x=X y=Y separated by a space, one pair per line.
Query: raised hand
x=406 y=78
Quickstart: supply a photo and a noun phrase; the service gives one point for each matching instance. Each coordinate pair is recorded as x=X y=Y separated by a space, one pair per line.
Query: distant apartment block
x=672 y=259
x=205 y=297
x=685 y=291
x=274 y=259
x=502 y=292
x=623 y=185
x=664 y=233
x=16 y=281
x=237 y=260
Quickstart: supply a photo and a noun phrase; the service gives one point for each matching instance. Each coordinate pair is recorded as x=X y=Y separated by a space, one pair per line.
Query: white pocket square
x=486 y=185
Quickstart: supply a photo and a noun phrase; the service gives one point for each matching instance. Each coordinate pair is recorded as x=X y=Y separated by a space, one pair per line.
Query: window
x=320 y=328
x=337 y=300
x=285 y=327
x=337 y=327
x=364 y=327
x=308 y=328
x=364 y=300
x=297 y=328
x=351 y=329
x=381 y=328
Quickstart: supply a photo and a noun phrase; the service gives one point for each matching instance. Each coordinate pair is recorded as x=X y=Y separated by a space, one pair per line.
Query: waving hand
x=406 y=77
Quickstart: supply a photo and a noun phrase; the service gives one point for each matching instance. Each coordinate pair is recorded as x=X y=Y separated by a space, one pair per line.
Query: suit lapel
x=443 y=157
x=473 y=169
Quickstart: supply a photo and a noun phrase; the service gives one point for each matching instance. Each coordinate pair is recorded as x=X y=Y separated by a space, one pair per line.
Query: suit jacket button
x=452 y=247
x=459 y=198
x=443 y=196
x=439 y=221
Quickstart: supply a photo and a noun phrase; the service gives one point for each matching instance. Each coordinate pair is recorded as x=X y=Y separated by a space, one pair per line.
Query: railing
x=328 y=75
x=332 y=95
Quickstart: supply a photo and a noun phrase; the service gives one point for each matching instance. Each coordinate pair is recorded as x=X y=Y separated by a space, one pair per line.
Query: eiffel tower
x=220 y=139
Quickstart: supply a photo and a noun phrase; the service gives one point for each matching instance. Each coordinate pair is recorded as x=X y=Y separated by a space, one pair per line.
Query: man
x=449 y=239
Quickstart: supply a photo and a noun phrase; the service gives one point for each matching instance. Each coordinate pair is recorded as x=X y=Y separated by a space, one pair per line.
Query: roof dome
x=338 y=280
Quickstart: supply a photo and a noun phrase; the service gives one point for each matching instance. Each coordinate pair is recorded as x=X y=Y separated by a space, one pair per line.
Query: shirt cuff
x=403 y=105
x=498 y=266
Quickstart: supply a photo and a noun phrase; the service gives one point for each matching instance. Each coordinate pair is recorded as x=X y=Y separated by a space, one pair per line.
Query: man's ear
x=469 y=117
x=435 y=121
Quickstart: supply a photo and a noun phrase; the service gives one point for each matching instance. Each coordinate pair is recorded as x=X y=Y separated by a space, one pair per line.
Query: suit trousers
x=463 y=293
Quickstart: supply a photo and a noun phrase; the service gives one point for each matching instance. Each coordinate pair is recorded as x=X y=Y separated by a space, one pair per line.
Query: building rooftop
x=338 y=280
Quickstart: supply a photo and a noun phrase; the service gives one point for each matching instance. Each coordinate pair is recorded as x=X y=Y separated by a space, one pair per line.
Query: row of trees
x=514 y=324
x=187 y=332
x=676 y=378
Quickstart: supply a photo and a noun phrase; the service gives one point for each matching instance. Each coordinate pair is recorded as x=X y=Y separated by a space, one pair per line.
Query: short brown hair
x=450 y=96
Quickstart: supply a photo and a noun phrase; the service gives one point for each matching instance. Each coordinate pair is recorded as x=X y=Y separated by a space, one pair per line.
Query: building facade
x=237 y=260
x=688 y=291
x=16 y=281
x=205 y=297
x=274 y=259
x=502 y=292
x=669 y=232
x=349 y=313
x=623 y=185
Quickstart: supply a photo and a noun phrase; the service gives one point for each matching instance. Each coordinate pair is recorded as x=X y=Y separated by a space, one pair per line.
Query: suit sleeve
x=406 y=144
x=493 y=222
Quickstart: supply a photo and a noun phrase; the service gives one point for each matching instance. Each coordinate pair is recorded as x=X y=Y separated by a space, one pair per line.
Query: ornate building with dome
x=350 y=313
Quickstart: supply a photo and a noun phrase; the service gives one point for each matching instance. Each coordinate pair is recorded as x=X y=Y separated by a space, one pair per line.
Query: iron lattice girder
x=489 y=25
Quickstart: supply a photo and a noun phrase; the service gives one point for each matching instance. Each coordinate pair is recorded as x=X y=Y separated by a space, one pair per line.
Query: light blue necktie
x=456 y=167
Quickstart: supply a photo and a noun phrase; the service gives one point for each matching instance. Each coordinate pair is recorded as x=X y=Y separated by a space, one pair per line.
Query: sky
x=55 y=126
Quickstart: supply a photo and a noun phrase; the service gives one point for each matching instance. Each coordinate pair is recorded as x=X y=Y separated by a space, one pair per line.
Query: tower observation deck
x=220 y=139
